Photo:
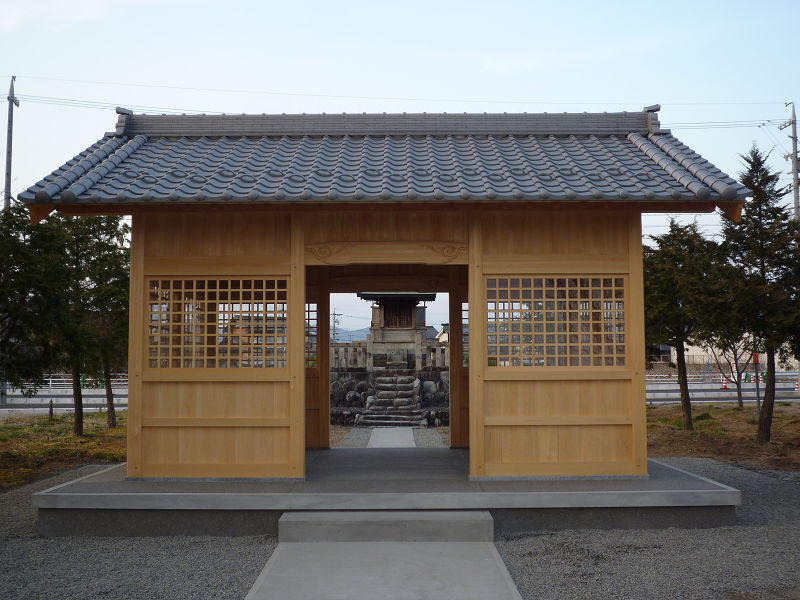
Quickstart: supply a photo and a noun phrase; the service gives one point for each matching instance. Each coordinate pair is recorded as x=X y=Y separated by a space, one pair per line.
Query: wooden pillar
x=459 y=381
x=323 y=357
x=635 y=318
x=297 y=311
x=135 y=348
x=477 y=349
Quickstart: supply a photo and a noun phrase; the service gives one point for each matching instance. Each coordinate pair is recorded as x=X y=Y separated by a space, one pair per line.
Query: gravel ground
x=756 y=559
x=357 y=437
x=429 y=438
x=86 y=568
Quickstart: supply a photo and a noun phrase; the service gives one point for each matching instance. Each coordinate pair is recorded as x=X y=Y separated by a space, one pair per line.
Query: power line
x=96 y=104
x=359 y=97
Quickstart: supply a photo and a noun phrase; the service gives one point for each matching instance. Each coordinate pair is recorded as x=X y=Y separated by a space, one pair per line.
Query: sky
x=722 y=71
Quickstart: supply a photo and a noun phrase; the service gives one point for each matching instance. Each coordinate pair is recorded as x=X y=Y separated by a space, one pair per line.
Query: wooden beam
x=136 y=347
x=39 y=212
x=636 y=348
x=297 y=317
x=733 y=210
x=477 y=349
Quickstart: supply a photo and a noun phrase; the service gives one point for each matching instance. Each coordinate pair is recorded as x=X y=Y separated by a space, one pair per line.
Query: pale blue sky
x=702 y=61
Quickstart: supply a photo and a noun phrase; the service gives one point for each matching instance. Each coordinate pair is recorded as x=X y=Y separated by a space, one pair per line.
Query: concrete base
x=391 y=479
x=387 y=526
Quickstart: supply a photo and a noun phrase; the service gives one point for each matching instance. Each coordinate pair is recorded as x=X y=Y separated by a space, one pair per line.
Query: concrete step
x=385 y=380
x=386 y=526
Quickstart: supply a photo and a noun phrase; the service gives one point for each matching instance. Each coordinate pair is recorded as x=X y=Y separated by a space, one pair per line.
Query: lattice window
x=311 y=336
x=465 y=334
x=217 y=323
x=556 y=321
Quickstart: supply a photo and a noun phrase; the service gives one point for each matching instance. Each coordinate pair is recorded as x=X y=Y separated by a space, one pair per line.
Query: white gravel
x=87 y=568
x=757 y=559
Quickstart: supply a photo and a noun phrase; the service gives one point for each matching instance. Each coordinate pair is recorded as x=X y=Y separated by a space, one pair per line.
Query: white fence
x=63 y=381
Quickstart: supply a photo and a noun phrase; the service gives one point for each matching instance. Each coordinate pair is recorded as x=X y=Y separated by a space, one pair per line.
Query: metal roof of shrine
x=558 y=157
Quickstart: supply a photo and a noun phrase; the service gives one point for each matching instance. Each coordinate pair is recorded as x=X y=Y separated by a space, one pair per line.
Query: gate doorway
x=321 y=281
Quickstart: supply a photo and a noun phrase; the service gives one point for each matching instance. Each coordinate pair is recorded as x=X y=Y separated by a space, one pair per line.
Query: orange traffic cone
x=797 y=385
x=724 y=382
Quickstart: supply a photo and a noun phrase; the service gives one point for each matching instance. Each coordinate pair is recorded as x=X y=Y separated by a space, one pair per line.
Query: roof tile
x=344 y=158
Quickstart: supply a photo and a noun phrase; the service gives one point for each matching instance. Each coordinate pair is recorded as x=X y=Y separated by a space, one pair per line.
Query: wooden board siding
x=217 y=422
x=386 y=236
x=557 y=420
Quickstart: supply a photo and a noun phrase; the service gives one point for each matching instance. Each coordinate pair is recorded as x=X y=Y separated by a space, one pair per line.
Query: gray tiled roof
x=368 y=158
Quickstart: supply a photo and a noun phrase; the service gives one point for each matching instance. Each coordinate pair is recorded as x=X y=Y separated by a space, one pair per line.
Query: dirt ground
x=726 y=433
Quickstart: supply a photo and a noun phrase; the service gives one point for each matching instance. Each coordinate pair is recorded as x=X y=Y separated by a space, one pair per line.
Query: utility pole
x=793 y=158
x=334 y=322
x=12 y=102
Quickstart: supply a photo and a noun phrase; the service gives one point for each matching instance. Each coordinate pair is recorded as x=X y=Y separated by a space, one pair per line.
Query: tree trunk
x=686 y=402
x=738 y=382
x=739 y=397
x=768 y=404
x=111 y=417
x=77 y=401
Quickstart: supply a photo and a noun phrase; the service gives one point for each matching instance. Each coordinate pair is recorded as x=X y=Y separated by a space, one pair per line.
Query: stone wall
x=350 y=388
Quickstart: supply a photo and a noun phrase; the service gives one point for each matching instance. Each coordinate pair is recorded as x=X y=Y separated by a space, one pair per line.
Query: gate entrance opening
x=321 y=281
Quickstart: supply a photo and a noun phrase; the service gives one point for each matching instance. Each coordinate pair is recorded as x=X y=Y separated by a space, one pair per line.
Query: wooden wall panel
x=213 y=422
x=216 y=448
x=559 y=450
x=559 y=420
x=218 y=234
x=557 y=398
x=386 y=225
x=214 y=400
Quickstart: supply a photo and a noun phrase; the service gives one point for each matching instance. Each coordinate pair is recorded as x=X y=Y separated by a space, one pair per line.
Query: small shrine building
x=242 y=227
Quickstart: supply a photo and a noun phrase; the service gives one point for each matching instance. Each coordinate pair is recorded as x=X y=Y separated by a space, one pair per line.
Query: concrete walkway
x=391 y=437
x=392 y=555
x=385 y=570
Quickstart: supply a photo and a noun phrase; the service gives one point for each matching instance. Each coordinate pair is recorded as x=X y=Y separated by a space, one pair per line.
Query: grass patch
x=34 y=446
x=703 y=416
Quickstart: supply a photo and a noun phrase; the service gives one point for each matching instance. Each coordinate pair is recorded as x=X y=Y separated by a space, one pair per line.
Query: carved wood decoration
x=343 y=253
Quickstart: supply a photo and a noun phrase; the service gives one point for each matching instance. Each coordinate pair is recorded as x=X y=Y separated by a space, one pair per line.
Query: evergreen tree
x=675 y=282
x=765 y=246
x=32 y=275
x=723 y=329
x=84 y=335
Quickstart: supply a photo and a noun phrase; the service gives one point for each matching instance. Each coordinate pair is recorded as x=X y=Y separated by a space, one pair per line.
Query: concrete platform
x=400 y=479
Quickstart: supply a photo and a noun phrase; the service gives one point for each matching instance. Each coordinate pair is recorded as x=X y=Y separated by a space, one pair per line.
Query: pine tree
x=675 y=282
x=765 y=246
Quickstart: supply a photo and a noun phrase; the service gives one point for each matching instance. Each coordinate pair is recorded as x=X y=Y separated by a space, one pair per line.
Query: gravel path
x=86 y=568
x=755 y=560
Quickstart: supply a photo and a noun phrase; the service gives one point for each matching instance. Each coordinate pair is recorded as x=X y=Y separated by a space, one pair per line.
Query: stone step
x=387 y=526
x=385 y=380
x=386 y=387
x=391 y=421
x=409 y=409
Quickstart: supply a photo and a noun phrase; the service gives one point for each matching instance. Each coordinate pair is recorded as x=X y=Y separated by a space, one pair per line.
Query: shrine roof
x=428 y=158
